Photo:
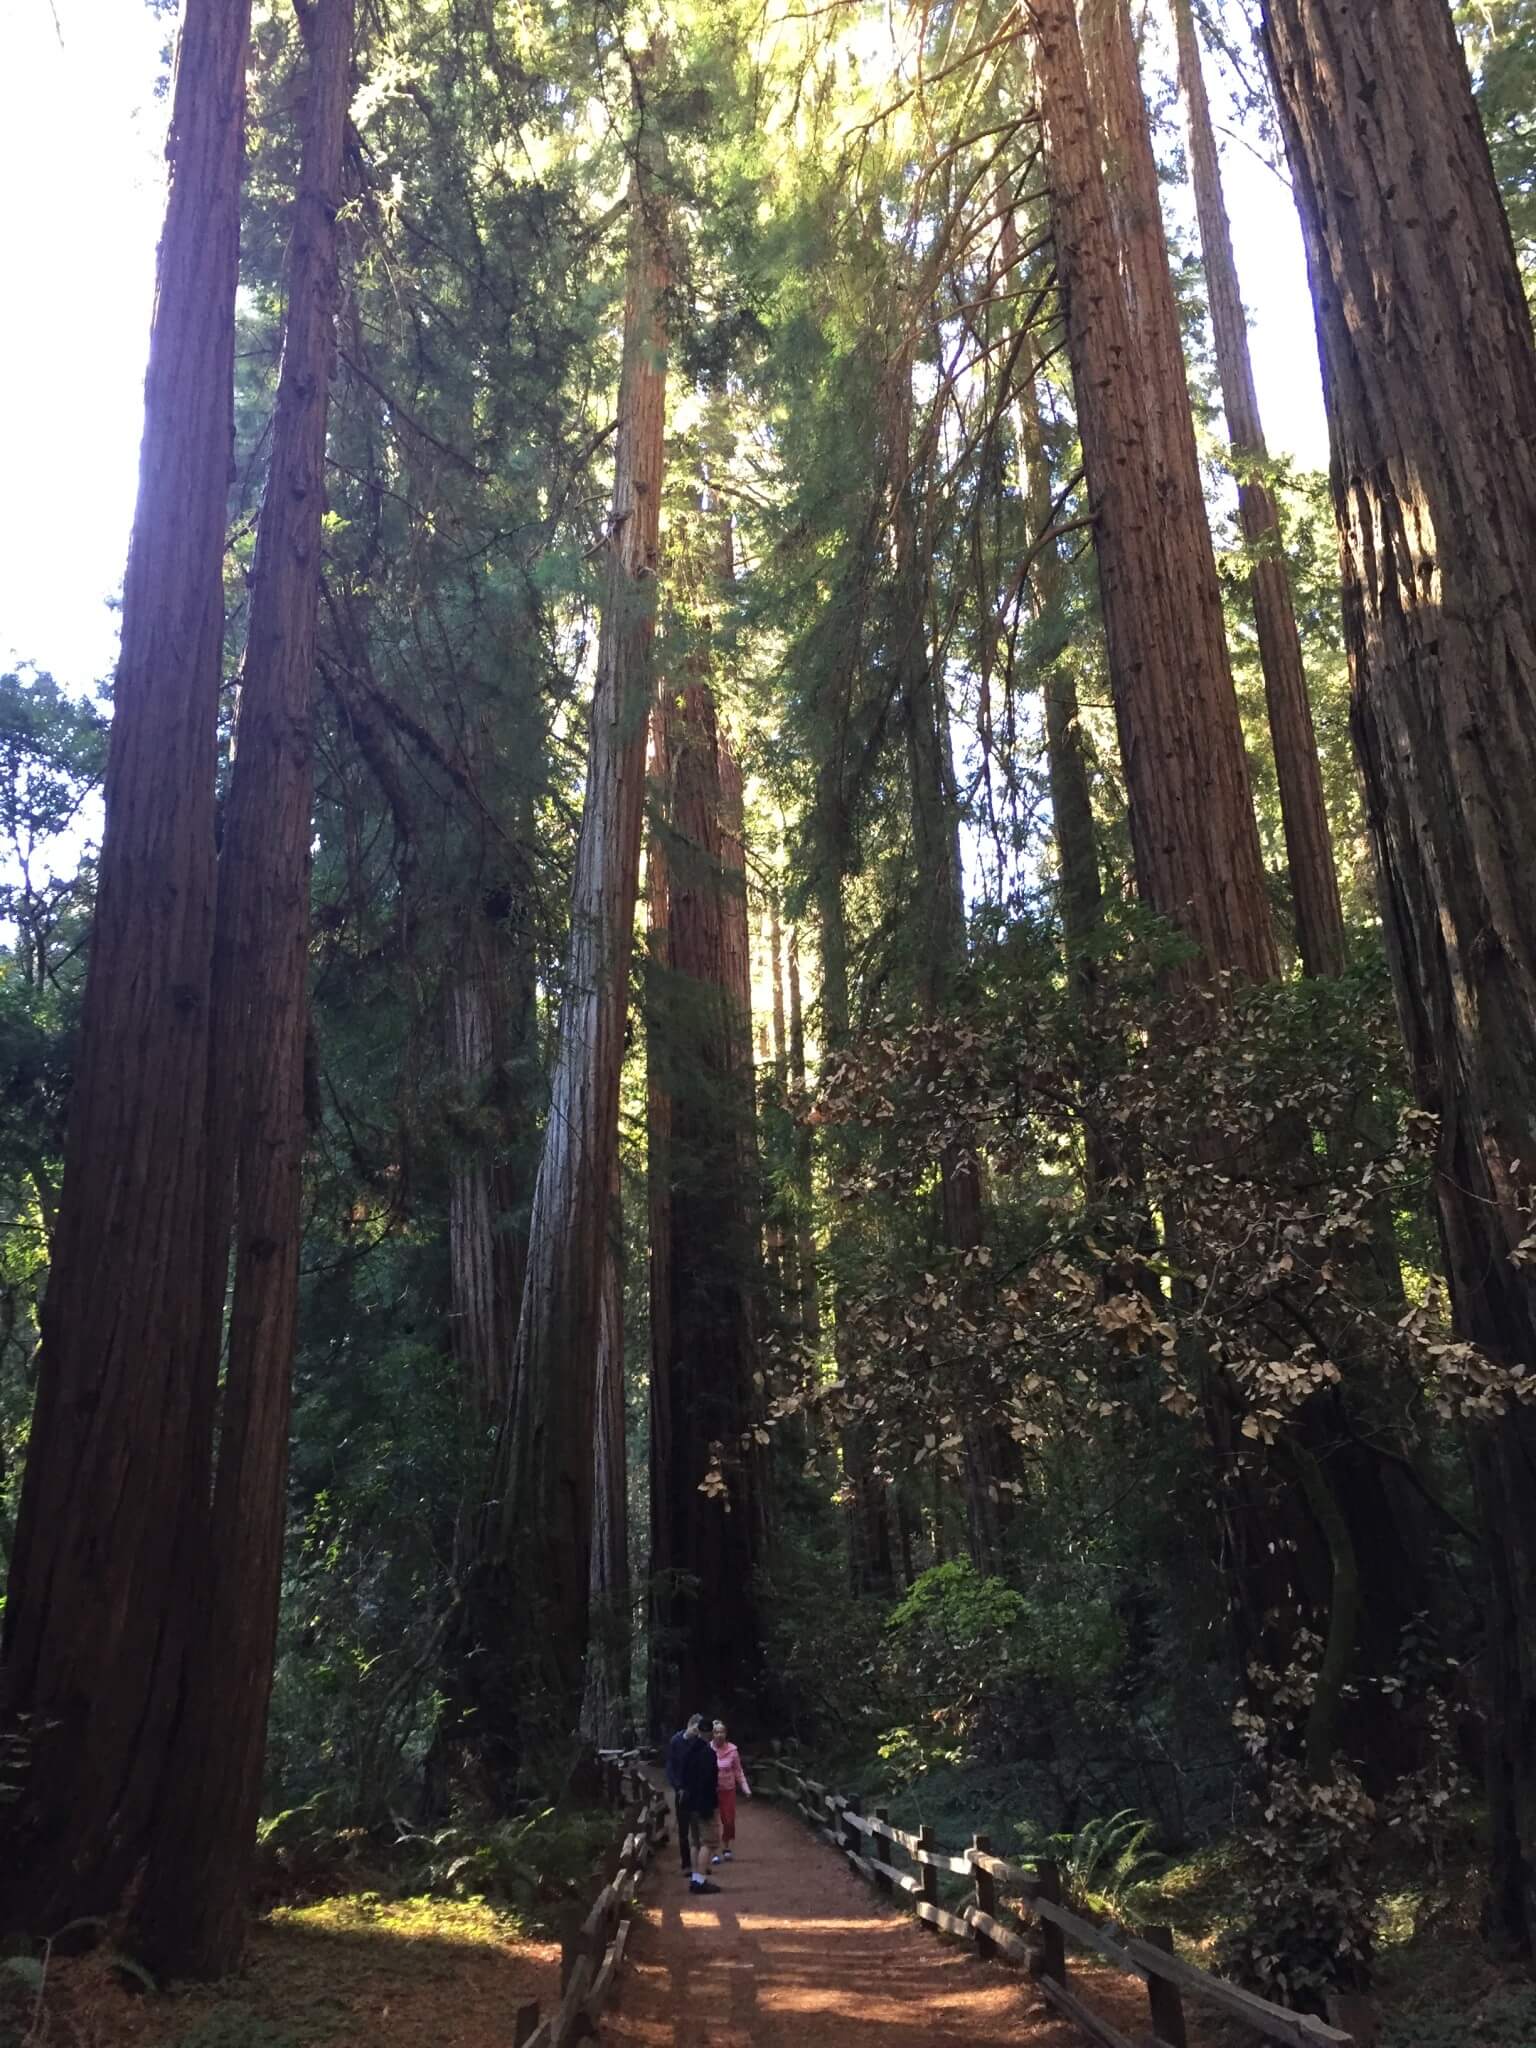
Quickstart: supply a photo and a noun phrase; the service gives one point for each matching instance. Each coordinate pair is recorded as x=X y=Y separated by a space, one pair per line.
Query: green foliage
x=1106 y=1865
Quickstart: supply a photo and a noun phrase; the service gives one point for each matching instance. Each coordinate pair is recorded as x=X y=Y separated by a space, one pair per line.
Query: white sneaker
x=716 y=1859
x=728 y=1857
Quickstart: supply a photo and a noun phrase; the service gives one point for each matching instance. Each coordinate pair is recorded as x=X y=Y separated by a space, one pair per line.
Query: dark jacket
x=675 y=1750
x=699 y=1775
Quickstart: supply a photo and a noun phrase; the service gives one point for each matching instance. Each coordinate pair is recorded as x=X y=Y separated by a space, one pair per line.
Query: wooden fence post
x=852 y=1843
x=1054 y=1941
x=1165 y=2000
x=927 y=1876
x=986 y=1897
x=525 y=2023
x=882 y=1883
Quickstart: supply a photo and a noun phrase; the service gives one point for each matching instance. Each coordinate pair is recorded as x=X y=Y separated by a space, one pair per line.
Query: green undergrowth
x=531 y=1866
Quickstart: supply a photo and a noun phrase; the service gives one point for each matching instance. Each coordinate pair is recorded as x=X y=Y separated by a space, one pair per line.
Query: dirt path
x=795 y=1950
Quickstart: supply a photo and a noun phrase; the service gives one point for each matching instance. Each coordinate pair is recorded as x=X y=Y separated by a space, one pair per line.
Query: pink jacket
x=728 y=1761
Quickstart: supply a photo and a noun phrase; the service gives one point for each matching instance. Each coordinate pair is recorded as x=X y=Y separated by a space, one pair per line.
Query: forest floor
x=795 y=1951
x=357 y=1971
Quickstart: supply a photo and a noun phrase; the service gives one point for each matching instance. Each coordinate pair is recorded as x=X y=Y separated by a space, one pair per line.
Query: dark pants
x=683 y=1847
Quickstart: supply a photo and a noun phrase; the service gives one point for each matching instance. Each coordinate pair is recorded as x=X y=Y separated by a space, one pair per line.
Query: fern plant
x=1106 y=1865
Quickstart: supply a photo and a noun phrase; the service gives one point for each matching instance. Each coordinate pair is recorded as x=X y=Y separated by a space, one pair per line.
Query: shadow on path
x=795 y=1950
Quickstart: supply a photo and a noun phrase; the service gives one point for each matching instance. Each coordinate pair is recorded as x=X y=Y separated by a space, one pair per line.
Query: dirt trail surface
x=795 y=1950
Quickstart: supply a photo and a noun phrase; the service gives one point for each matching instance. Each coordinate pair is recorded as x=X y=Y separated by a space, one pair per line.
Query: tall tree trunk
x=95 y=1620
x=490 y=1023
x=1308 y=846
x=1429 y=374
x=1193 y=834
x=1077 y=851
x=605 y=1711
x=190 y=1912
x=804 y=1163
x=706 y=1492
x=662 y=1704
x=941 y=920
x=869 y=1529
x=543 y=1481
x=784 y=1239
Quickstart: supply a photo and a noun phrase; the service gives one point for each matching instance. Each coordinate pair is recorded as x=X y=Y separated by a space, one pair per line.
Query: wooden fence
x=592 y=1951
x=907 y=1868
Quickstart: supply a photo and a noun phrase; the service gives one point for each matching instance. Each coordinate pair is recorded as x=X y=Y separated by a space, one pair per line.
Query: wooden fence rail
x=871 y=1844
x=592 y=1952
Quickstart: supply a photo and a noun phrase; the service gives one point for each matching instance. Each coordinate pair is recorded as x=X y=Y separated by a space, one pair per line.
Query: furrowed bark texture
x=1193 y=834
x=707 y=1513
x=190 y=1914
x=663 y=1711
x=94 y=1625
x=543 y=1479
x=1429 y=374
x=1304 y=815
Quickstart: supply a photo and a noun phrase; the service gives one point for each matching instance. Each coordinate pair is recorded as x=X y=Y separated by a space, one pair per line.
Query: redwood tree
x=1193 y=833
x=190 y=1913
x=705 y=1491
x=1303 y=814
x=95 y=1622
x=1429 y=373
x=540 y=1547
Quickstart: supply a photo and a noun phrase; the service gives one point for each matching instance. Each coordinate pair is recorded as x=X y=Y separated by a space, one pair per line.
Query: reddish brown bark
x=1304 y=815
x=95 y=1626
x=542 y=1540
x=1429 y=373
x=190 y=1913
x=1191 y=813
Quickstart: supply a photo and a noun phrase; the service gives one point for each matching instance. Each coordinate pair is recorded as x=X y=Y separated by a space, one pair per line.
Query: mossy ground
x=354 y=1969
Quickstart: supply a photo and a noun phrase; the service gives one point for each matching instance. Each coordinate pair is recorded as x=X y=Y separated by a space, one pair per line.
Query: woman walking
x=733 y=1779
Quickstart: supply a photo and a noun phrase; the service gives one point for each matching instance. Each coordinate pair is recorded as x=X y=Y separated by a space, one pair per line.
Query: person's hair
x=719 y=1728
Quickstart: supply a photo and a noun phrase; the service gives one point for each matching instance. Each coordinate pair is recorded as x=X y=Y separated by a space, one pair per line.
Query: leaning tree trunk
x=536 y=1577
x=1193 y=834
x=1429 y=373
x=190 y=1913
x=1303 y=813
x=705 y=1483
x=95 y=1622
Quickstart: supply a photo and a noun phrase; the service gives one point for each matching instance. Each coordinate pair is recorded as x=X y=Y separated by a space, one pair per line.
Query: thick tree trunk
x=541 y=1543
x=664 y=1711
x=1192 y=826
x=1429 y=374
x=1308 y=846
x=95 y=1621
x=190 y=1913
x=490 y=1021
x=706 y=1492
x=605 y=1707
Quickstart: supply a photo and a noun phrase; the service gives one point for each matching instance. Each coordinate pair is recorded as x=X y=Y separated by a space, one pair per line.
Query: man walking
x=676 y=1751
x=698 y=1790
